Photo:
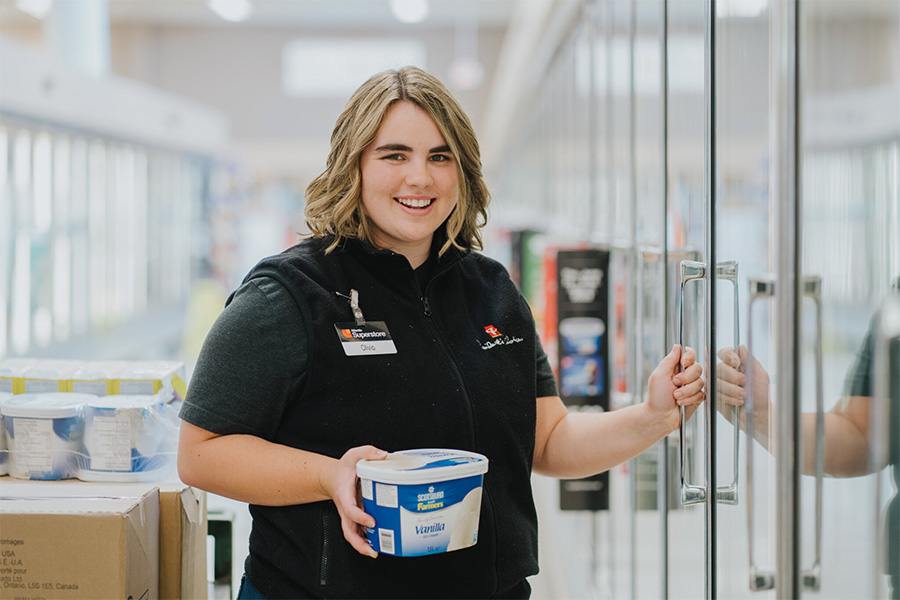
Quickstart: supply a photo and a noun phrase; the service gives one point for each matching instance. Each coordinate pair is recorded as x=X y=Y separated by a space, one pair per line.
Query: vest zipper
x=440 y=338
x=326 y=549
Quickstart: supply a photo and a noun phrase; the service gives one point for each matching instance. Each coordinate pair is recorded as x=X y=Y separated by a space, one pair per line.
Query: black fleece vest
x=463 y=377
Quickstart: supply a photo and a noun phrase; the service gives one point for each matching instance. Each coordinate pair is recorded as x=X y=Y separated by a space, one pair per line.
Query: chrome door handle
x=728 y=494
x=760 y=579
x=690 y=494
x=812 y=288
x=763 y=287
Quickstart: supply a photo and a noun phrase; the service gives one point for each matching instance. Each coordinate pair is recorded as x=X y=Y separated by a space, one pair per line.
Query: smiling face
x=409 y=182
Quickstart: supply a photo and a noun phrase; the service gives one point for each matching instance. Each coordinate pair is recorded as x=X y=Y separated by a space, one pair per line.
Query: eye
x=392 y=157
x=440 y=158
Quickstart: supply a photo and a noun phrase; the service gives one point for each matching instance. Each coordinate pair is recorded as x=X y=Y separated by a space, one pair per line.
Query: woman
x=282 y=404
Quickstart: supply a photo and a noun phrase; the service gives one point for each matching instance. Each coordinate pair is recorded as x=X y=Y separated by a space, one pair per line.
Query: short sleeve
x=546 y=381
x=859 y=379
x=252 y=363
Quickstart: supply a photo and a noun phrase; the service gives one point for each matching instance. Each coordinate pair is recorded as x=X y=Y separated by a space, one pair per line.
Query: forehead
x=407 y=122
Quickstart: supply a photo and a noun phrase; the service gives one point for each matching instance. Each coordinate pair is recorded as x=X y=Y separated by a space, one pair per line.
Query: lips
x=415 y=202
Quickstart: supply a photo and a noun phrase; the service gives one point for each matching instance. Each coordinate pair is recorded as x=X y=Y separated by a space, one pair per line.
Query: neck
x=418 y=257
x=415 y=253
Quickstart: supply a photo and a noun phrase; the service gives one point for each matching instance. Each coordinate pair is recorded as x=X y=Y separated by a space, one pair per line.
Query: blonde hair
x=334 y=198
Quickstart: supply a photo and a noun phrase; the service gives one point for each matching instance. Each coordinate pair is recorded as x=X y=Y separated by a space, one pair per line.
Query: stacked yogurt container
x=63 y=435
x=44 y=434
x=125 y=439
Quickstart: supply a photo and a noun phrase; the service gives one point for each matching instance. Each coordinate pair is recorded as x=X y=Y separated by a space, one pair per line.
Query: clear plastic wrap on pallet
x=65 y=435
x=44 y=434
x=129 y=437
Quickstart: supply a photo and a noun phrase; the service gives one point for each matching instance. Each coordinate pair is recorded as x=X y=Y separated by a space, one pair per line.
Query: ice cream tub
x=125 y=439
x=424 y=501
x=44 y=433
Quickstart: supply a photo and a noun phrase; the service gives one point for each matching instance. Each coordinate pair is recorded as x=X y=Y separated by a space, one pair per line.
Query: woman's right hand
x=341 y=485
x=731 y=382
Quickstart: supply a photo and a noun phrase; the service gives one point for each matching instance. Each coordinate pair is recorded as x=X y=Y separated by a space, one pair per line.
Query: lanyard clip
x=354 y=306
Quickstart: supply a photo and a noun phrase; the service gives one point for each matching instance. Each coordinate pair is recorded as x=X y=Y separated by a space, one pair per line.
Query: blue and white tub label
x=420 y=519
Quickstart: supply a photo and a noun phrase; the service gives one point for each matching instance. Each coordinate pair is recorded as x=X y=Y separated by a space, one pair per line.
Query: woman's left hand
x=671 y=387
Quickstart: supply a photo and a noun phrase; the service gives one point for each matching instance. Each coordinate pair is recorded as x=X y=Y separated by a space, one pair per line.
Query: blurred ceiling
x=293 y=14
x=184 y=47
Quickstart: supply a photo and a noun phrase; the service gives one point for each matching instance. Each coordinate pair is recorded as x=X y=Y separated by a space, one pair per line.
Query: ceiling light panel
x=333 y=67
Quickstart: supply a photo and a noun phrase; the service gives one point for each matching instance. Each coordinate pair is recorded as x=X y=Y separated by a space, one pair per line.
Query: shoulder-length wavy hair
x=334 y=198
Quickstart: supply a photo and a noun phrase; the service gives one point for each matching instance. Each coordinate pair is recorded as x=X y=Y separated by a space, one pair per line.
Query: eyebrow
x=405 y=148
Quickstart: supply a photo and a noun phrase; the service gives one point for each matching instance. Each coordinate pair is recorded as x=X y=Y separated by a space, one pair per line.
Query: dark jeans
x=248 y=591
x=521 y=590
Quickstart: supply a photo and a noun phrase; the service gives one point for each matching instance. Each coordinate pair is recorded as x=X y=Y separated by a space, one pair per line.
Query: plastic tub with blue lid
x=44 y=434
x=424 y=501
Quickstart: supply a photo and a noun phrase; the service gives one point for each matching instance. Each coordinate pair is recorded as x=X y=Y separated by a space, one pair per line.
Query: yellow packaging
x=93 y=377
x=48 y=375
x=149 y=378
x=11 y=370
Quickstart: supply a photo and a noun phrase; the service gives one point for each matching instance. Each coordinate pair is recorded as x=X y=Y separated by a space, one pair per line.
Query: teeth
x=414 y=203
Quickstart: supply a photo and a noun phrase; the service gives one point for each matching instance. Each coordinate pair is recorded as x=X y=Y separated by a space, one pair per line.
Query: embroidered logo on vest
x=497 y=338
x=493 y=331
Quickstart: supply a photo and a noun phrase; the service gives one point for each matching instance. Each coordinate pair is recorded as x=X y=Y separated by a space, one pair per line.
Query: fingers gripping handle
x=690 y=494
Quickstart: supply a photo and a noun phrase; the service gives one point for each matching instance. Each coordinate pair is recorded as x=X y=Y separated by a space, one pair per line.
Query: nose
x=419 y=174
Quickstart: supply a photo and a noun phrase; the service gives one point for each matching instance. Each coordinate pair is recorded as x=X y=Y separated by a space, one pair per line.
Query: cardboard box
x=79 y=547
x=181 y=533
x=182 y=542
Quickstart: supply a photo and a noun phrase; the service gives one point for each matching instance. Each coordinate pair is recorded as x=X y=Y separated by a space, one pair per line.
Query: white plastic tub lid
x=125 y=401
x=423 y=465
x=50 y=405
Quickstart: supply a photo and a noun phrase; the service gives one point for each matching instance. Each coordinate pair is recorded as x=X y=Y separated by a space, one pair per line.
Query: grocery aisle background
x=231 y=119
x=151 y=151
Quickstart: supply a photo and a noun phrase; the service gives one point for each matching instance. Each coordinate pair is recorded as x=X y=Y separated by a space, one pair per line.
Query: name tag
x=362 y=340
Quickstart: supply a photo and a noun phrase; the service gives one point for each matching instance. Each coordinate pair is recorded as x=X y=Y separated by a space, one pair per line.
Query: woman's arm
x=848 y=451
x=574 y=445
x=250 y=469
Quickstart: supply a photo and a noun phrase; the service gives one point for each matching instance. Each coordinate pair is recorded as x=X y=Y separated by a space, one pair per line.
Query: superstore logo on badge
x=361 y=334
